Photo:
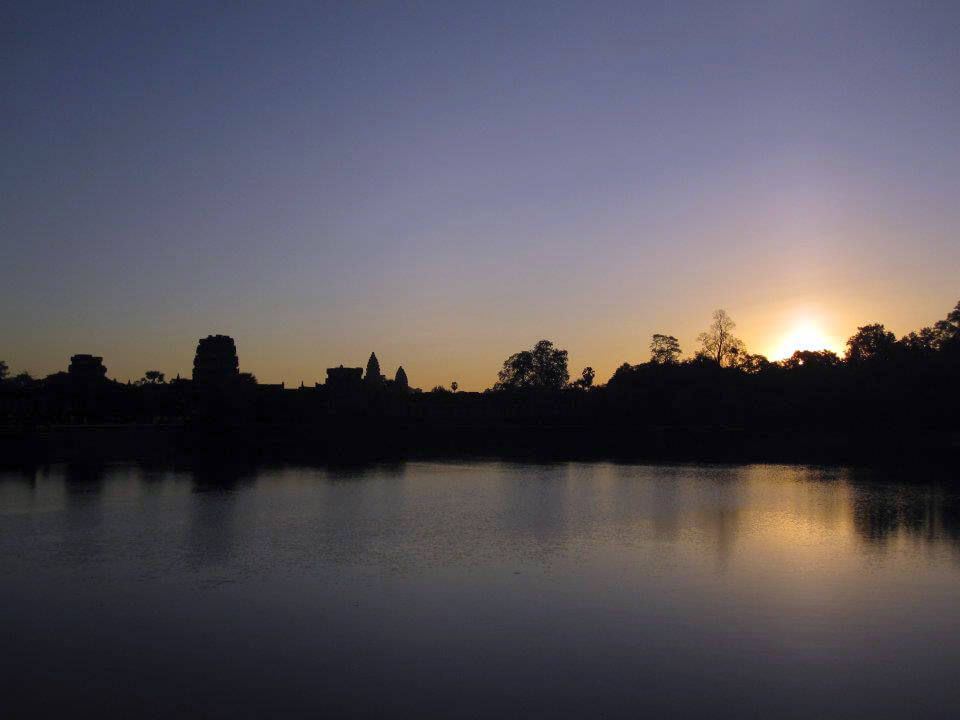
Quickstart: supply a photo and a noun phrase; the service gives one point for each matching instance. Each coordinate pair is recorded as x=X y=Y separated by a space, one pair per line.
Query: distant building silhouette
x=344 y=378
x=400 y=379
x=86 y=367
x=373 y=370
x=216 y=361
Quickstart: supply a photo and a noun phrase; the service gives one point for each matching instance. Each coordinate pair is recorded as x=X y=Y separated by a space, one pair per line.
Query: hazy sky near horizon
x=447 y=183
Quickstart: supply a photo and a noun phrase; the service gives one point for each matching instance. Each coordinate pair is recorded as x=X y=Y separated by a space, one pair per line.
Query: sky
x=448 y=183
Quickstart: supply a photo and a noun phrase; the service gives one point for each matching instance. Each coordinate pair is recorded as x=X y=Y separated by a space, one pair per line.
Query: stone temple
x=216 y=361
x=87 y=367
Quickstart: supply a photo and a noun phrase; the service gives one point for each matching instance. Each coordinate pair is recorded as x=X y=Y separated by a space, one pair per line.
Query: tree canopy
x=153 y=377
x=751 y=363
x=543 y=367
x=811 y=359
x=664 y=349
x=586 y=378
x=870 y=342
x=719 y=343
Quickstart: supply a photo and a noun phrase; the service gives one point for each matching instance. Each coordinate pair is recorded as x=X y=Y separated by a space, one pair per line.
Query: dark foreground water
x=478 y=589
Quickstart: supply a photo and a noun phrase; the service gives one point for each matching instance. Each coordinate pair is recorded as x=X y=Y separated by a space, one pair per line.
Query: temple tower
x=216 y=361
x=373 y=370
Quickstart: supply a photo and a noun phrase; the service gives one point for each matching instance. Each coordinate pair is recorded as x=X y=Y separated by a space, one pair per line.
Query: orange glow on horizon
x=806 y=335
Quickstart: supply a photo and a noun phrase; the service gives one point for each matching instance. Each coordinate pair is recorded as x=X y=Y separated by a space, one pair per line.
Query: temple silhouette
x=885 y=396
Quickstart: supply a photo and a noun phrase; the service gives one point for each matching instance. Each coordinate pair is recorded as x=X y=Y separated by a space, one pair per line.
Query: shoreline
x=365 y=440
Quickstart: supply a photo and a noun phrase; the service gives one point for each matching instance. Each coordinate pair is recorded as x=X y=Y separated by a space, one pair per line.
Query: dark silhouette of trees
x=585 y=381
x=23 y=380
x=751 y=364
x=719 y=343
x=870 y=343
x=948 y=330
x=4 y=370
x=664 y=349
x=882 y=388
x=621 y=375
x=812 y=359
x=926 y=341
x=544 y=367
x=944 y=335
x=517 y=372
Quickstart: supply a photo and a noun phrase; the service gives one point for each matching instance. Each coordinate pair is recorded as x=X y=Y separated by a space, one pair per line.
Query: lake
x=479 y=589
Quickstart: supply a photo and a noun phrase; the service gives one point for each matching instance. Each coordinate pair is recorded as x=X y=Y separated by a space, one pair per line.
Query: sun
x=802 y=337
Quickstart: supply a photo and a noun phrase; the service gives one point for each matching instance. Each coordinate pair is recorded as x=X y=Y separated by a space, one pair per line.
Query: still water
x=479 y=589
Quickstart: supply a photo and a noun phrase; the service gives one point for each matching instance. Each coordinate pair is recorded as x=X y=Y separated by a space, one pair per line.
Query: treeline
x=872 y=346
x=911 y=383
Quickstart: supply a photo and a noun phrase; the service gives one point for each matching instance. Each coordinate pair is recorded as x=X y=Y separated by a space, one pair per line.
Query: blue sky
x=447 y=183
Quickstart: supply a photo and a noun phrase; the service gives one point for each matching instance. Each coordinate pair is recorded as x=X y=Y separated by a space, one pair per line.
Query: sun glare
x=802 y=337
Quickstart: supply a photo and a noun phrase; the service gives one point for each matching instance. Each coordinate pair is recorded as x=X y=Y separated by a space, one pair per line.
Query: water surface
x=479 y=589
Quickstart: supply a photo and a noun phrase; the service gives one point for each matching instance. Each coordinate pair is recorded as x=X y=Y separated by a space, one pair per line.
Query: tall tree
x=719 y=343
x=586 y=378
x=949 y=329
x=870 y=342
x=517 y=372
x=542 y=367
x=664 y=349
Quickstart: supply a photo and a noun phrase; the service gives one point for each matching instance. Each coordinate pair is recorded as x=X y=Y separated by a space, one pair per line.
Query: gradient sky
x=447 y=183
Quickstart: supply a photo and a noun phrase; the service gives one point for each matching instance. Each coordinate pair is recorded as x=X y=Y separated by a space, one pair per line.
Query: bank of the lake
x=370 y=439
